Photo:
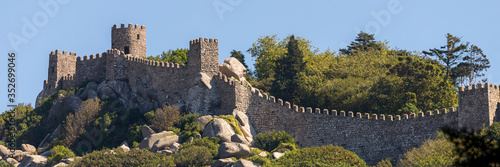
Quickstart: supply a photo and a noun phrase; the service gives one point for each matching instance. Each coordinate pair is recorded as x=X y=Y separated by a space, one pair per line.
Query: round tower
x=130 y=40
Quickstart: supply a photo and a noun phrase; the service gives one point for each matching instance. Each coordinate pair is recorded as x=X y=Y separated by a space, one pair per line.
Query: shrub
x=165 y=117
x=187 y=126
x=254 y=151
x=437 y=152
x=60 y=152
x=493 y=131
x=233 y=122
x=5 y=164
x=134 y=157
x=271 y=140
x=193 y=156
x=319 y=156
x=384 y=163
x=260 y=160
x=150 y=115
x=210 y=143
x=284 y=147
x=75 y=123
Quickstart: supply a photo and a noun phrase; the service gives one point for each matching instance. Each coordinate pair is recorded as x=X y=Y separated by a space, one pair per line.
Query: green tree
x=363 y=42
x=173 y=56
x=449 y=54
x=238 y=55
x=437 y=152
x=286 y=83
x=472 y=66
x=473 y=149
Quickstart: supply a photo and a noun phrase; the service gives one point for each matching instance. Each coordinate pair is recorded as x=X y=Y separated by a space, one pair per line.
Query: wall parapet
x=359 y=115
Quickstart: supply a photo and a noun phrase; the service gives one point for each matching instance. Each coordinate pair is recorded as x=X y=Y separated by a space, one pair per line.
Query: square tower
x=203 y=56
x=478 y=105
x=130 y=40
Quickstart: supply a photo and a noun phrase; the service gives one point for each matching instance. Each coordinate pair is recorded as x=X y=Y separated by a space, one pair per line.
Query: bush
x=493 y=131
x=60 y=152
x=437 y=152
x=75 y=123
x=187 y=126
x=134 y=157
x=384 y=163
x=5 y=164
x=254 y=151
x=271 y=140
x=319 y=156
x=193 y=156
x=210 y=143
x=260 y=160
x=165 y=117
x=284 y=147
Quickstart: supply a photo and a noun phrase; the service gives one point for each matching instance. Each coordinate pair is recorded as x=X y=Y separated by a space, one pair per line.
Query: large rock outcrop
x=231 y=149
x=232 y=67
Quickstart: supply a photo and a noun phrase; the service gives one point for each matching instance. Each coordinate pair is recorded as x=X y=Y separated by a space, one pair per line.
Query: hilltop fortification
x=199 y=87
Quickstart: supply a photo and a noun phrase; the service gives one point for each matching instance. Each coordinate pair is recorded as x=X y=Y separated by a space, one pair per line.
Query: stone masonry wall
x=132 y=37
x=477 y=104
x=90 y=68
x=372 y=137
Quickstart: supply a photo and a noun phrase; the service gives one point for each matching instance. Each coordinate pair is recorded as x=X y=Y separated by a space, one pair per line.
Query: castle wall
x=90 y=68
x=372 y=137
x=163 y=81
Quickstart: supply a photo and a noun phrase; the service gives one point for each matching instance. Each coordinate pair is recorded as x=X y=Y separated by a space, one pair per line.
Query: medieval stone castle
x=201 y=88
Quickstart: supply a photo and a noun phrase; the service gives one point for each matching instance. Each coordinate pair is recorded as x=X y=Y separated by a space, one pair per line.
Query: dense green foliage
x=271 y=140
x=493 y=131
x=172 y=56
x=363 y=42
x=5 y=164
x=287 y=73
x=260 y=160
x=437 y=152
x=165 y=117
x=59 y=152
x=319 y=156
x=384 y=163
x=29 y=120
x=134 y=157
x=188 y=127
x=200 y=152
x=370 y=77
x=475 y=149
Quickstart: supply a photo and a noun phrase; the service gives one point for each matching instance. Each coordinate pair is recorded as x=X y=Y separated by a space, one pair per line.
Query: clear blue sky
x=84 y=27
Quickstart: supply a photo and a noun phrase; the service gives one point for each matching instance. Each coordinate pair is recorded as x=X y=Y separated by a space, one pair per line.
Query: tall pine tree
x=288 y=67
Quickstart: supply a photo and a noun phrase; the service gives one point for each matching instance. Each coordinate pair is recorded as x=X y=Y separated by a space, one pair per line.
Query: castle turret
x=203 y=56
x=62 y=66
x=130 y=40
x=478 y=105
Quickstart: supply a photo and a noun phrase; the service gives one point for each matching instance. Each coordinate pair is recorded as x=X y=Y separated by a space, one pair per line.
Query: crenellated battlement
x=57 y=52
x=153 y=63
x=143 y=27
x=206 y=40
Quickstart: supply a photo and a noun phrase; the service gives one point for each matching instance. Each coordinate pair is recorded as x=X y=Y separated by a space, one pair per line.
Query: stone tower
x=478 y=106
x=61 y=66
x=130 y=40
x=203 y=56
